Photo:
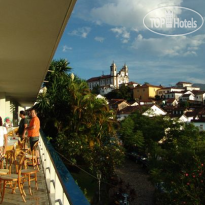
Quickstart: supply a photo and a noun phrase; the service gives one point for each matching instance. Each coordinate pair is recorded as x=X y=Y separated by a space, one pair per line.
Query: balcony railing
x=61 y=186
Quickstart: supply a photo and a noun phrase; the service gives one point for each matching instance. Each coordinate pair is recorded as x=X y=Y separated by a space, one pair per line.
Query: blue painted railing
x=60 y=183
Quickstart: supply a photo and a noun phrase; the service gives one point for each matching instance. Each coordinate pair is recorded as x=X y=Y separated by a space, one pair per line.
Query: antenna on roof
x=102 y=72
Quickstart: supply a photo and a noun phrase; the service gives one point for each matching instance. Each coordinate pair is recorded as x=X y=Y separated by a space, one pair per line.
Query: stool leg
x=29 y=183
x=2 y=196
x=36 y=181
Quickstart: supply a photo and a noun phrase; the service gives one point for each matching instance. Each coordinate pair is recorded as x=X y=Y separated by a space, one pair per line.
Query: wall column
x=2 y=106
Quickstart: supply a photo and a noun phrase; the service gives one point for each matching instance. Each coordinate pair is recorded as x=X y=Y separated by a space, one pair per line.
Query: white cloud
x=99 y=39
x=165 y=72
x=82 y=32
x=128 y=13
x=170 y=46
x=195 y=80
x=122 y=33
x=66 y=48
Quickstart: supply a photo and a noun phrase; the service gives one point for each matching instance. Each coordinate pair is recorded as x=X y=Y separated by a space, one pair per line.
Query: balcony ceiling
x=30 y=31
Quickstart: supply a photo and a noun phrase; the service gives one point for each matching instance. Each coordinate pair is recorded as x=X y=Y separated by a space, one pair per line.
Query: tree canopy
x=80 y=125
x=176 y=156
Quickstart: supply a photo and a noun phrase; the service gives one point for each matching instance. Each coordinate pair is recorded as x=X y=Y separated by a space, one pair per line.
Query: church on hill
x=107 y=83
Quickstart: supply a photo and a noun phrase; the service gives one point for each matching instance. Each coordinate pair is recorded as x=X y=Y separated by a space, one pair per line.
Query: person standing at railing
x=33 y=128
x=3 y=142
x=22 y=125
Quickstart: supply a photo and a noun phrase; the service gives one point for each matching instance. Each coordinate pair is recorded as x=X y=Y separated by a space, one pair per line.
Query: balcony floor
x=39 y=197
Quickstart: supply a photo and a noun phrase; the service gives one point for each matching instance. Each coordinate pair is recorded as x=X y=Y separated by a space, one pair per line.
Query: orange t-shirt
x=34 y=132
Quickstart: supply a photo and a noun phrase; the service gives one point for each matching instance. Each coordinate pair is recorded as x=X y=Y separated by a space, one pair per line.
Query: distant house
x=187 y=86
x=161 y=92
x=175 y=95
x=106 y=89
x=171 y=102
x=147 y=102
x=118 y=104
x=154 y=110
x=112 y=81
x=174 y=112
x=145 y=92
x=200 y=121
x=199 y=96
x=132 y=84
x=125 y=112
x=147 y=110
x=188 y=116
x=183 y=84
x=187 y=97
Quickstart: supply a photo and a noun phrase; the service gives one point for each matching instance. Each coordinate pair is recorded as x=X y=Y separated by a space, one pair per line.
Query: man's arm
x=24 y=131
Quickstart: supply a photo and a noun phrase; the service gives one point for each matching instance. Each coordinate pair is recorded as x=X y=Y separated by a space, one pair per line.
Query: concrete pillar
x=8 y=110
x=2 y=106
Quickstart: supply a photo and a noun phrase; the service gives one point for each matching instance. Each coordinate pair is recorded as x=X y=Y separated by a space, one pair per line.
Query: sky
x=100 y=32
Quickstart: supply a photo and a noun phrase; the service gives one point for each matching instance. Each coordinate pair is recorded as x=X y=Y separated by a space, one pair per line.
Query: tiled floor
x=39 y=197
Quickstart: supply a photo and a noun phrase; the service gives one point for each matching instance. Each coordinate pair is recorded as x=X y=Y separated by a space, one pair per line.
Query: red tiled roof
x=183 y=83
x=165 y=88
x=98 y=78
x=172 y=92
x=199 y=120
x=129 y=109
x=190 y=114
x=131 y=82
x=171 y=108
x=116 y=101
x=170 y=100
x=198 y=92
x=148 y=85
x=186 y=95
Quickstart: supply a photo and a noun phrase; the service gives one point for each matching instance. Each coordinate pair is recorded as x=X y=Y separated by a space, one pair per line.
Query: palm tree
x=83 y=123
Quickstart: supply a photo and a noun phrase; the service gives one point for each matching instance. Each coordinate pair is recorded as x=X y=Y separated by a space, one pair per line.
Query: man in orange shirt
x=33 y=129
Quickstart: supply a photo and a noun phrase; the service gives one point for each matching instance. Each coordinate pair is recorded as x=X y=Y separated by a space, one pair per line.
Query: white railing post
x=56 y=189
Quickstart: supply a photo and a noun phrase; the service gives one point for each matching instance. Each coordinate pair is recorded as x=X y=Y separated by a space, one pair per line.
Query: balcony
x=56 y=185
x=31 y=31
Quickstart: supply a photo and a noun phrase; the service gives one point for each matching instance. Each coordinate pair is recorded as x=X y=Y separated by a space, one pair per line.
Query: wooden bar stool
x=30 y=175
x=14 y=180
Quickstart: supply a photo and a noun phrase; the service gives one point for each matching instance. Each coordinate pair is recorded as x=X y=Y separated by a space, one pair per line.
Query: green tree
x=124 y=92
x=96 y=89
x=132 y=139
x=180 y=167
x=82 y=125
x=152 y=129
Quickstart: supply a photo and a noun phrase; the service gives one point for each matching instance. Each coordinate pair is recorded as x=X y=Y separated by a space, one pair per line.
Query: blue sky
x=100 y=32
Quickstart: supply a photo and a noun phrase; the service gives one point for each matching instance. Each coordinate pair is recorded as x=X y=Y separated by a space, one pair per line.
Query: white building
x=175 y=95
x=187 y=97
x=154 y=110
x=199 y=95
x=187 y=86
x=163 y=91
x=107 y=83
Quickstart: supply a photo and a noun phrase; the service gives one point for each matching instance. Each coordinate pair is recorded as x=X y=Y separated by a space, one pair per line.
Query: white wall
x=2 y=106
x=200 y=125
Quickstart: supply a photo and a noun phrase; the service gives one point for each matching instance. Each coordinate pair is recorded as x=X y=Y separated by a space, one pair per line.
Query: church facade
x=107 y=83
